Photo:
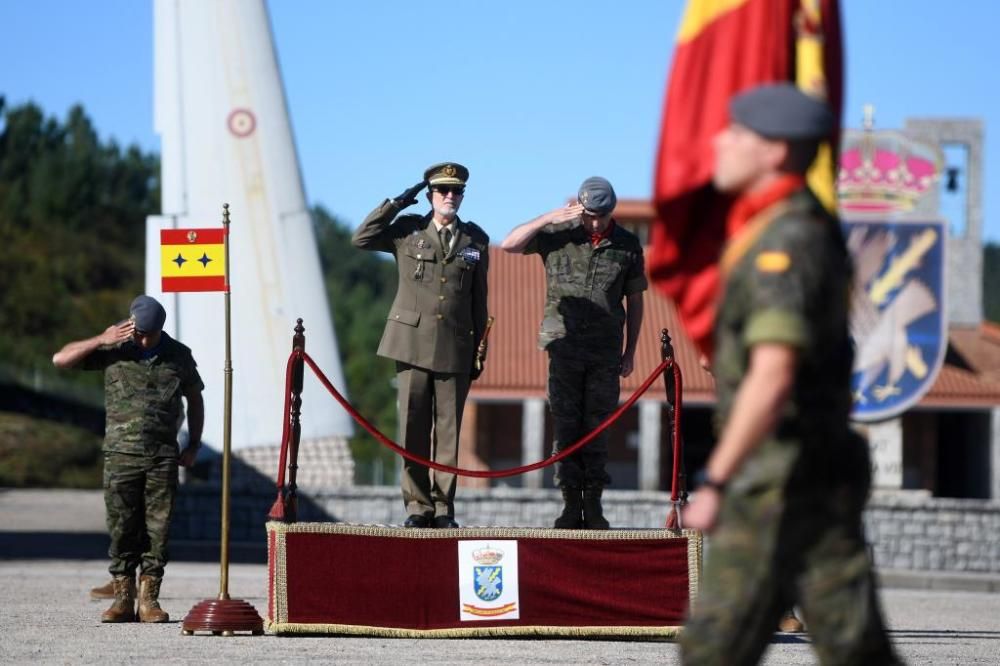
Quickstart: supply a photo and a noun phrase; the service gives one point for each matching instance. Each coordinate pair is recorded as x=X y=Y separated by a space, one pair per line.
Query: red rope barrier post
x=298 y=349
x=279 y=508
x=673 y=385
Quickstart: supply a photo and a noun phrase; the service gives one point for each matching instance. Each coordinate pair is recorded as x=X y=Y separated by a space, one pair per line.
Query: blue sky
x=532 y=96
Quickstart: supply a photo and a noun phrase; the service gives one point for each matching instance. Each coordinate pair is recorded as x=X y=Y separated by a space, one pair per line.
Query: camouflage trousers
x=774 y=548
x=139 y=500
x=583 y=391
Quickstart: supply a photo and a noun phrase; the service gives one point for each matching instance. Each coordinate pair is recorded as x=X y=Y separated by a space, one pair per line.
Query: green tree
x=72 y=227
x=361 y=287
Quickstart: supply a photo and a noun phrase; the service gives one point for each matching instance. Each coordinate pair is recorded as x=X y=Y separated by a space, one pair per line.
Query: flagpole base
x=223 y=617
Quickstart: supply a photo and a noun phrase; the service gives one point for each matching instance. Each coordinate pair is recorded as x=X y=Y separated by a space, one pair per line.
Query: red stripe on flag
x=213 y=236
x=752 y=44
x=210 y=283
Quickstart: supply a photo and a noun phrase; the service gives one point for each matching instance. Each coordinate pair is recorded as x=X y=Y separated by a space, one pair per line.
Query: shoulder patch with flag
x=193 y=260
x=773 y=262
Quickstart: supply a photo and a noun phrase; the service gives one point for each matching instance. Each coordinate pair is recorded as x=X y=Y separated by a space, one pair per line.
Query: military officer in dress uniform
x=787 y=481
x=433 y=328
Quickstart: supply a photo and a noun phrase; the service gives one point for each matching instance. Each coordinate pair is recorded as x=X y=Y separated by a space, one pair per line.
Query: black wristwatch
x=703 y=479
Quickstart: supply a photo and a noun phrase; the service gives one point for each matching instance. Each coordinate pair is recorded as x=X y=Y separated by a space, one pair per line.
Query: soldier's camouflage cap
x=781 y=111
x=597 y=196
x=446 y=173
x=148 y=314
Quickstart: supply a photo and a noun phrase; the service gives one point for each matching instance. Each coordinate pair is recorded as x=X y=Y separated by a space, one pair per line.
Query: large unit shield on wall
x=898 y=313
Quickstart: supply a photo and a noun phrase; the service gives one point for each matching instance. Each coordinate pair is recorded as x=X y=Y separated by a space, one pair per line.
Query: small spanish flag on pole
x=193 y=259
x=198 y=260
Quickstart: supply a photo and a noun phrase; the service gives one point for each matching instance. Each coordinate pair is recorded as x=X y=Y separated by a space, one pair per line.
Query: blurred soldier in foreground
x=146 y=372
x=433 y=329
x=786 y=484
x=592 y=265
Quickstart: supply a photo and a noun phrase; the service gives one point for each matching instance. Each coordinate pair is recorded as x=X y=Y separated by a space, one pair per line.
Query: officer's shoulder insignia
x=773 y=261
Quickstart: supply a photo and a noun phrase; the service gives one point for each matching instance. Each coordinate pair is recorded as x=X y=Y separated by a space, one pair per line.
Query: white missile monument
x=226 y=138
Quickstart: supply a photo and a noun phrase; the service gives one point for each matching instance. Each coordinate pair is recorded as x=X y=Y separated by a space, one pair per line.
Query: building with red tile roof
x=947 y=444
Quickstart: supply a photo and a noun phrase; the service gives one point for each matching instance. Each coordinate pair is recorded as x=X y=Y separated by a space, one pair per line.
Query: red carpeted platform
x=335 y=578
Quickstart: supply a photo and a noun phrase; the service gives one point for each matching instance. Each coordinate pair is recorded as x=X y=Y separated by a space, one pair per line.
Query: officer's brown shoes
x=123 y=607
x=149 y=604
x=106 y=591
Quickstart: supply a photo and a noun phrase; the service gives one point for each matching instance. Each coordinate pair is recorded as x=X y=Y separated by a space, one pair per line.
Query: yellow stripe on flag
x=810 y=76
x=192 y=260
x=700 y=13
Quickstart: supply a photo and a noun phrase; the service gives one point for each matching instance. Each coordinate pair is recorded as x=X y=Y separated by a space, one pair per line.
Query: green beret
x=446 y=173
x=781 y=111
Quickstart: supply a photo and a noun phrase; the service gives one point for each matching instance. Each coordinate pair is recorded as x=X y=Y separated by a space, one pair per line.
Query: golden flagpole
x=227 y=423
x=224 y=616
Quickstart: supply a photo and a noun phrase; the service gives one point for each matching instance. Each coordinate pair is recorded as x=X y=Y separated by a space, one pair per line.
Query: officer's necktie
x=446 y=239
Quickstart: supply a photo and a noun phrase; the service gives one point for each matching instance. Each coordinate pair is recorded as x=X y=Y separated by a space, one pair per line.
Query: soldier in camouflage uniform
x=146 y=373
x=787 y=481
x=593 y=267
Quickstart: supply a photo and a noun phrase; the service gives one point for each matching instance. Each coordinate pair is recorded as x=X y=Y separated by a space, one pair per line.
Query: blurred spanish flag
x=723 y=48
x=193 y=259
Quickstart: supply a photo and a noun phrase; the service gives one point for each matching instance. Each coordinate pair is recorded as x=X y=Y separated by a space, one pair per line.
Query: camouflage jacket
x=586 y=285
x=787 y=280
x=143 y=396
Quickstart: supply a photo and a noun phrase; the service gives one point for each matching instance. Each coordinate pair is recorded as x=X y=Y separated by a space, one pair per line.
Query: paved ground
x=47 y=618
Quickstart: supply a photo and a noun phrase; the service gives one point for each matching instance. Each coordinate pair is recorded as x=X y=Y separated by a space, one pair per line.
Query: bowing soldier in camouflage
x=433 y=329
x=594 y=287
x=146 y=375
x=785 y=486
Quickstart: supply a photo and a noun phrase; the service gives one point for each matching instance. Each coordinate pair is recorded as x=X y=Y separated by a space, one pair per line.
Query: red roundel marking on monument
x=241 y=122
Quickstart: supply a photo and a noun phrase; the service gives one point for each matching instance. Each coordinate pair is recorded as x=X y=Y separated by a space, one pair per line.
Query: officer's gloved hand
x=409 y=195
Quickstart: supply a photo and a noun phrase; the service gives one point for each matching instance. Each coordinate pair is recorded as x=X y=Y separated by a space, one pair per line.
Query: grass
x=35 y=453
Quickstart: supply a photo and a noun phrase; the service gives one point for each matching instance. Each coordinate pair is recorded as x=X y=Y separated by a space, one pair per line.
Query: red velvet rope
x=286 y=424
x=488 y=474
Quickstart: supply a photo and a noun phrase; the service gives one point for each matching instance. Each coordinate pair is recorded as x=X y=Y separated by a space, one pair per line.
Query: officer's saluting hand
x=409 y=195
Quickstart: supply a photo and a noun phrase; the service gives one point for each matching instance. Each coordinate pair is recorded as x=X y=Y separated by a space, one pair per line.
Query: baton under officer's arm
x=518 y=239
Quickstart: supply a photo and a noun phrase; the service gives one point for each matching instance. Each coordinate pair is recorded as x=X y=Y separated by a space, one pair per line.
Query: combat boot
x=790 y=623
x=149 y=604
x=571 y=517
x=593 y=512
x=106 y=591
x=123 y=607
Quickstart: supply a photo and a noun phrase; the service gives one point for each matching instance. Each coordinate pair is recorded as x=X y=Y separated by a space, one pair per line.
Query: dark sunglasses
x=457 y=190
